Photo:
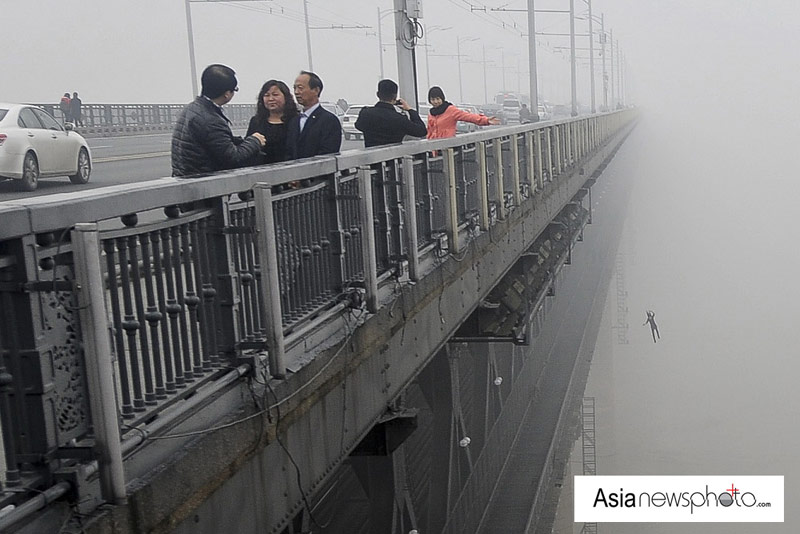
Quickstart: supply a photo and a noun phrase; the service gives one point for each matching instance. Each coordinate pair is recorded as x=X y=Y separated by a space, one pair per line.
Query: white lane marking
x=101 y=146
x=131 y=156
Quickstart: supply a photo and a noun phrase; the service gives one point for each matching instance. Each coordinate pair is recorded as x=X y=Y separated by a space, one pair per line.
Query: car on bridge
x=467 y=127
x=34 y=145
x=349 y=122
x=334 y=109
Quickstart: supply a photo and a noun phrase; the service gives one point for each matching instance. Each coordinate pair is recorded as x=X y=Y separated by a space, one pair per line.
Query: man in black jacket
x=383 y=125
x=202 y=141
x=315 y=131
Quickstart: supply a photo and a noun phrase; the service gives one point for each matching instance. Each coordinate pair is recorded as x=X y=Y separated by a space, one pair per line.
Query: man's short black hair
x=216 y=80
x=314 y=81
x=387 y=90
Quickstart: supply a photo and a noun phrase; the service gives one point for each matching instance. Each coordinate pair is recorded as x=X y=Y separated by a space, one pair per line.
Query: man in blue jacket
x=202 y=141
x=382 y=124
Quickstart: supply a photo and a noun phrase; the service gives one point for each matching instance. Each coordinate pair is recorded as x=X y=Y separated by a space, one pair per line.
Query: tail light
x=3 y=138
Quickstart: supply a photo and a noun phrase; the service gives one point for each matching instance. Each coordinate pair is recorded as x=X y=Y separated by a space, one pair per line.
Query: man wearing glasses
x=202 y=141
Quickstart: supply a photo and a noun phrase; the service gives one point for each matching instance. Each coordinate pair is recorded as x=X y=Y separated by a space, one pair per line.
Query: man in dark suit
x=383 y=125
x=315 y=131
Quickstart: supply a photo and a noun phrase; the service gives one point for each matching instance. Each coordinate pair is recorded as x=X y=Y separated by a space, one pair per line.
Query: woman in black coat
x=274 y=109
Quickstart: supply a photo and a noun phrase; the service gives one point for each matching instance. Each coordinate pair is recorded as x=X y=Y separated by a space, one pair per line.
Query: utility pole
x=427 y=63
x=503 y=67
x=533 y=79
x=485 y=89
x=405 y=59
x=611 y=44
x=603 y=43
x=591 y=56
x=460 y=82
x=380 y=40
x=192 y=64
x=308 y=36
x=620 y=66
x=572 y=57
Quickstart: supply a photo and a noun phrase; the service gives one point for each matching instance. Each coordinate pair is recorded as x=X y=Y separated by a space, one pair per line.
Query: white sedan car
x=33 y=145
x=349 y=122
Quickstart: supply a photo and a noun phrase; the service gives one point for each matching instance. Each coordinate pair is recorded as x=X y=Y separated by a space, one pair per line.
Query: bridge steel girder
x=242 y=479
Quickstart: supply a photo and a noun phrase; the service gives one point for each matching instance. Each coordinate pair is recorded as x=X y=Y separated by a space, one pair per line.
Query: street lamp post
x=308 y=36
x=503 y=67
x=458 y=55
x=192 y=63
x=458 y=58
x=574 y=84
x=380 y=41
x=533 y=79
x=381 y=13
x=591 y=56
x=427 y=48
x=613 y=81
x=605 y=75
x=190 y=35
x=485 y=89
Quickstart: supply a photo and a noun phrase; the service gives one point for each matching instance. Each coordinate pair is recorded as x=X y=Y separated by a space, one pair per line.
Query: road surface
x=117 y=160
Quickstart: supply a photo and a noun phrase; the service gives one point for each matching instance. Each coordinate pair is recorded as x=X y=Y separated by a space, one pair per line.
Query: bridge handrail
x=116 y=115
x=52 y=212
x=188 y=291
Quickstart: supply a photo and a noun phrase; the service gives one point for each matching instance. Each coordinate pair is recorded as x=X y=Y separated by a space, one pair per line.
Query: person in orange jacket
x=442 y=118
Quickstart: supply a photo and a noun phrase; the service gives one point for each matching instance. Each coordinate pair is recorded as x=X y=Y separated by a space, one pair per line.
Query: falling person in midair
x=651 y=318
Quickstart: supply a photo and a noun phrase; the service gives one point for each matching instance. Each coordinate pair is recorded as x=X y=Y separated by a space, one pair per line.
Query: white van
x=511 y=107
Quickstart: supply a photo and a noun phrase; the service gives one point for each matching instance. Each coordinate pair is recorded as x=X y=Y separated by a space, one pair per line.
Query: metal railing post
x=498 y=172
x=549 y=147
x=449 y=165
x=483 y=186
x=98 y=359
x=410 y=209
x=559 y=157
x=227 y=304
x=515 y=169
x=270 y=276
x=537 y=148
x=531 y=161
x=368 y=238
x=569 y=134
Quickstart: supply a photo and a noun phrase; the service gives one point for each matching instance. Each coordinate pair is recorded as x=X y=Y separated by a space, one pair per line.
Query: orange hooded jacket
x=444 y=125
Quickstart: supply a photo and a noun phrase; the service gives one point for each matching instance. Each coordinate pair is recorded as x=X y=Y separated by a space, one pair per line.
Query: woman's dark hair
x=289 y=108
x=436 y=92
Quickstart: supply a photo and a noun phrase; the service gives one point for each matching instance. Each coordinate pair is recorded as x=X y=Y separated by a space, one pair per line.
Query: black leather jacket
x=202 y=141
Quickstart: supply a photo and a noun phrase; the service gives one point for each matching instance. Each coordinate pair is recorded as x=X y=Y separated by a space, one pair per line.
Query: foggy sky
x=714 y=225
x=681 y=54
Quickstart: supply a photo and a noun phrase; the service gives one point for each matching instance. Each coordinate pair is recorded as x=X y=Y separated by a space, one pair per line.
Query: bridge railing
x=196 y=272
x=141 y=116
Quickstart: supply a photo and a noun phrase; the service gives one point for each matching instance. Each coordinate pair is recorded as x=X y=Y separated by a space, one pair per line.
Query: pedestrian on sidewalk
x=75 y=109
x=65 y=109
